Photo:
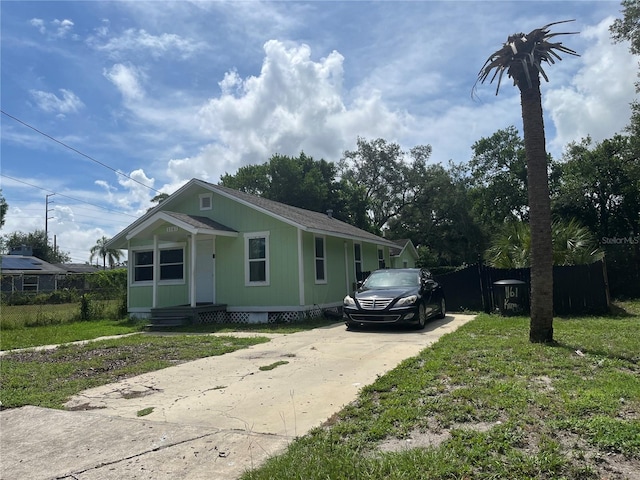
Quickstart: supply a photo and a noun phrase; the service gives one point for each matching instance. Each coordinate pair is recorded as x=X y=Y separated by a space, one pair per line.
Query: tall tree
x=302 y=182
x=4 y=206
x=100 y=249
x=39 y=244
x=600 y=185
x=628 y=28
x=389 y=180
x=498 y=178
x=439 y=219
x=521 y=57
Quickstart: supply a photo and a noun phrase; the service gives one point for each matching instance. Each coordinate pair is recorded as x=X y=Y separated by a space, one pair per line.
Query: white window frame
x=248 y=261
x=135 y=251
x=36 y=284
x=172 y=281
x=156 y=263
x=205 y=196
x=357 y=261
x=323 y=258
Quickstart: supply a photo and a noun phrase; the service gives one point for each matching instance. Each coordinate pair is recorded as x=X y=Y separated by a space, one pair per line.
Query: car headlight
x=403 y=302
x=349 y=302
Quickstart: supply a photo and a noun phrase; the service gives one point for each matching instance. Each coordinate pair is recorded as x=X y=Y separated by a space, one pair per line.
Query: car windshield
x=391 y=278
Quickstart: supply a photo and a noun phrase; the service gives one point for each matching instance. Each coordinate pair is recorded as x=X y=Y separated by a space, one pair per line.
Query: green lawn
x=484 y=403
x=65 y=333
x=481 y=403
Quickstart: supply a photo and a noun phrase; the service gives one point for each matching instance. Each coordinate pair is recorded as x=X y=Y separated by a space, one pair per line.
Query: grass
x=484 y=403
x=481 y=403
x=65 y=333
x=266 y=368
x=49 y=378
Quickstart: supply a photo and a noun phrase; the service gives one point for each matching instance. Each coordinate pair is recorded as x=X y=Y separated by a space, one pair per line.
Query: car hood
x=386 y=292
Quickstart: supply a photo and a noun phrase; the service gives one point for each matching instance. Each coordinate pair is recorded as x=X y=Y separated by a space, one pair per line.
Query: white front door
x=205 y=263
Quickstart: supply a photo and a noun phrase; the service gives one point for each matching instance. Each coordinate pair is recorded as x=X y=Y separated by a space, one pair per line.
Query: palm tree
x=573 y=244
x=521 y=57
x=100 y=250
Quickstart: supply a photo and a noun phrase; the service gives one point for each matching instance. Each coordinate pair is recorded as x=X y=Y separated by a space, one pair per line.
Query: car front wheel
x=422 y=317
x=443 y=308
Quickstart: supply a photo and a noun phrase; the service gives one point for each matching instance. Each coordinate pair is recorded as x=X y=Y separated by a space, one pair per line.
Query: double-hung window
x=171 y=266
x=320 y=260
x=143 y=266
x=257 y=258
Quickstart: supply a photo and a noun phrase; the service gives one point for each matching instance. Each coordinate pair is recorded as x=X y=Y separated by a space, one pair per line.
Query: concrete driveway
x=212 y=418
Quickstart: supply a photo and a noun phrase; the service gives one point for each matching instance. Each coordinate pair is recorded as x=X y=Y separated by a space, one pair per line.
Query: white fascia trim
x=120 y=237
x=178 y=223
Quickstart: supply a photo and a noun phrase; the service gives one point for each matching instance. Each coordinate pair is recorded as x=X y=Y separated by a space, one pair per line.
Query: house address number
x=172 y=229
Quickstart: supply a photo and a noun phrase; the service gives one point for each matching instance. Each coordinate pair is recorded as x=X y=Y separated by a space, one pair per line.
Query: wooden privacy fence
x=577 y=289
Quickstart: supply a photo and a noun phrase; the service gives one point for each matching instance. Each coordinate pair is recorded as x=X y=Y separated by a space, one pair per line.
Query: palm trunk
x=541 y=325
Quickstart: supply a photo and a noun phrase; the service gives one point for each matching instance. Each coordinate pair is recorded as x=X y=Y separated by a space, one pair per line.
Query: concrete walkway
x=212 y=418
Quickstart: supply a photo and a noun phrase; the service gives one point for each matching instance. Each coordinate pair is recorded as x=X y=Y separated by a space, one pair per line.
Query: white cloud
x=61 y=28
x=133 y=40
x=39 y=24
x=294 y=104
x=51 y=103
x=127 y=80
x=596 y=100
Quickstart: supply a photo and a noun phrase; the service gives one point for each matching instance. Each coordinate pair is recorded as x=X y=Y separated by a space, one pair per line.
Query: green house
x=254 y=259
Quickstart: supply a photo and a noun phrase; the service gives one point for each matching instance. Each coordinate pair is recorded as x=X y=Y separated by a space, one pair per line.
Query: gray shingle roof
x=308 y=219
x=199 y=221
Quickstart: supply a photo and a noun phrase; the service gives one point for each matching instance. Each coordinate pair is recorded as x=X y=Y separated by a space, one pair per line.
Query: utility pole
x=46 y=216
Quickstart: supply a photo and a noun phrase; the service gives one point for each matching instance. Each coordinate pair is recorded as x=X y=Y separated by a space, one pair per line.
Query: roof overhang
x=189 y=224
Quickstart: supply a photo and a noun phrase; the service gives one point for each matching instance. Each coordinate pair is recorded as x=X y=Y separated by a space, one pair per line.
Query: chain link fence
x=73 y=298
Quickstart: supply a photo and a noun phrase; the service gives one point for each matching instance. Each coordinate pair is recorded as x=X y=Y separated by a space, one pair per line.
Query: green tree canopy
x=39 y=243
x=439 y=219
x=4 y=207
x=388 y=178
x=303 y=182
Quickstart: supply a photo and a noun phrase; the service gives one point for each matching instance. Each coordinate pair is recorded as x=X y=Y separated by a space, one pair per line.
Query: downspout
x=300 y=270
x=156 y=272
x=192 y=273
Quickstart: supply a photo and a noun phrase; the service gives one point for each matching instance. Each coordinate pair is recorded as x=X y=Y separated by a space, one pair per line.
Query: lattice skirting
x=257 y=317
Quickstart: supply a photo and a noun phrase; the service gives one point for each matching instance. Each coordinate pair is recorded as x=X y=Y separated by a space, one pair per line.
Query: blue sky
x=167 y=91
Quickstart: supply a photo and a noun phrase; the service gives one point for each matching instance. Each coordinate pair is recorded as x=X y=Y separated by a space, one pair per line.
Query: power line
x=66 y=196
x=77 y=151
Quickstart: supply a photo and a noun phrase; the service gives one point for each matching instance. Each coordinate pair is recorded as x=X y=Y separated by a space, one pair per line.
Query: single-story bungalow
x=26 y=273
x=404 y=254
x=256 y=259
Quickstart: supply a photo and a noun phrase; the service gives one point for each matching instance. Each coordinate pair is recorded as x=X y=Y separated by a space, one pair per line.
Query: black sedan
x=395 y=296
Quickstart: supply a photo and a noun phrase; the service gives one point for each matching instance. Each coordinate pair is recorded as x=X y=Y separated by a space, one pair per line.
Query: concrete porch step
x=161 y=323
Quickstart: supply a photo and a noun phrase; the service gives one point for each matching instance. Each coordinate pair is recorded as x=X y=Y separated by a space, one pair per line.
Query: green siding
x=140 y=297
x=283 y=288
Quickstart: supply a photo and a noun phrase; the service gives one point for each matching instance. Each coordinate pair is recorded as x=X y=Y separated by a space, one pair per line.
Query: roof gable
x=307 y=220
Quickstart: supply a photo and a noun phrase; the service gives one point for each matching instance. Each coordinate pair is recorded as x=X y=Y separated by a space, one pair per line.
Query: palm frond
x=522 y=54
